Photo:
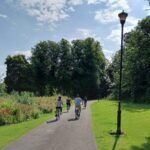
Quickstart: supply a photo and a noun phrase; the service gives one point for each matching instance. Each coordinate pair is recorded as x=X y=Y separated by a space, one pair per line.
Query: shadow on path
x=65 y=112
x=72 y=119
x=52 y=121
x=115 y=143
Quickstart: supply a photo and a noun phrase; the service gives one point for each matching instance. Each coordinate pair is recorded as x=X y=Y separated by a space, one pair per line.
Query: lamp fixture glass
x=123 y=15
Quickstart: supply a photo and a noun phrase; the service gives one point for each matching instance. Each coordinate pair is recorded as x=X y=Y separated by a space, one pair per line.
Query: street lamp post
x=122 y=17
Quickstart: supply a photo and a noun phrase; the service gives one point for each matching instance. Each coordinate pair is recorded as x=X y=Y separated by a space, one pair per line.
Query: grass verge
x=10 y=133
x=135 y=124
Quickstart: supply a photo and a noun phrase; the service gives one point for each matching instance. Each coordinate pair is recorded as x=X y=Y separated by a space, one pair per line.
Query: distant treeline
x=63 y=67
x=81 y=67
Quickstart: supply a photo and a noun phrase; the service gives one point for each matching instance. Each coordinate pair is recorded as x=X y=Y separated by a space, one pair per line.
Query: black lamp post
x=122 y=17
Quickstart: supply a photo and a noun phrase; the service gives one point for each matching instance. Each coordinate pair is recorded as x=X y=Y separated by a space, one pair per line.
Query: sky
x=23 y=23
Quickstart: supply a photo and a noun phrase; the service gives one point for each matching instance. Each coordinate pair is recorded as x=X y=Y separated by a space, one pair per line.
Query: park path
x=65 y=134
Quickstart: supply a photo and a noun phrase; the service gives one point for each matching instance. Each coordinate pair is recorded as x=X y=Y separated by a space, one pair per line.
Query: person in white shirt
x=59 y=104
x=77 y=101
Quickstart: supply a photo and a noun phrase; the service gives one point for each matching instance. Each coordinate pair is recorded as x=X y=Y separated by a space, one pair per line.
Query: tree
x=88 y=67
x=44 y=62
x=136 y=63
x=18 y=74
x=64 y=70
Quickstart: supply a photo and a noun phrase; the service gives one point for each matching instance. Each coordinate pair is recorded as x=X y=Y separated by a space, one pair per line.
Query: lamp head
x=122 y=16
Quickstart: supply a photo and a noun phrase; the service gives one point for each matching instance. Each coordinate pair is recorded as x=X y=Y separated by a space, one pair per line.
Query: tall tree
x=44 y=61
x=64 y=70
x=136 y=63
x=18 y=74
x=88 y=68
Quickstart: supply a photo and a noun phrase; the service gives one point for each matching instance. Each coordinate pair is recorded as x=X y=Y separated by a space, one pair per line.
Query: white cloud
x=2 y=73
x=110 y=13
x=132 y=21
x=3 y=16
x=123 y=4
x=52 y=11
x=95 y=1
x=106 y=16
x=75 y=2
x=84 y=33
x=108 y=54
x=26 y=53
x=47 y=11
x=115 y=34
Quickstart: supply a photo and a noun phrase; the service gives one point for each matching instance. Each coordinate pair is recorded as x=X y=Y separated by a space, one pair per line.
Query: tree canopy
x=68 y=68
x=80 y=67
x=136 y=64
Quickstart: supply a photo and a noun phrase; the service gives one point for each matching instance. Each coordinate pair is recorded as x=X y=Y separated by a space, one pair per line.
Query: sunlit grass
x=135 y=125
x=10 y=133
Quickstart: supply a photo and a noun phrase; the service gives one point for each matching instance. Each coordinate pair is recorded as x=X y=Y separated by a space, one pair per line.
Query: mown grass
x=135 y=125
x=10 y=133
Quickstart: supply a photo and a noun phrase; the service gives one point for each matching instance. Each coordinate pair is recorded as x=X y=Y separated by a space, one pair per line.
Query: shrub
x=25 y=98
x=2 y=89
x=45 y=106
x=5 y=116
x=21 y=107
x=35 y=113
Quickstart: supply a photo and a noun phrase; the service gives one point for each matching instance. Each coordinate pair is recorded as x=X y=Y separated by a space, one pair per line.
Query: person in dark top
x=85 y=101
x=68 y=103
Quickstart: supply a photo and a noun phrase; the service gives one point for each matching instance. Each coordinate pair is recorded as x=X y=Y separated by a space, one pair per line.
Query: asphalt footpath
x=65 y=134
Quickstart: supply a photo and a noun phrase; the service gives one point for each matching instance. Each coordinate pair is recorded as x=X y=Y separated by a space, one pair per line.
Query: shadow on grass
x=135 y=107
x=145 y=146
x=116 y=141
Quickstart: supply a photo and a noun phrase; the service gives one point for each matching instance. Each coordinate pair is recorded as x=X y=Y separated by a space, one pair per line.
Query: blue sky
x=23 y=23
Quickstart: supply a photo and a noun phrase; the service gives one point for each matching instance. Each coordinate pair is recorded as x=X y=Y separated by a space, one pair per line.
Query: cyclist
x=68 y=103
x=78 y=105
x=59 y=104
x=85 y=101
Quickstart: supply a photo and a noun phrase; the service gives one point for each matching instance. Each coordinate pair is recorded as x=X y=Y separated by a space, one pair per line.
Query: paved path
x=65 y=134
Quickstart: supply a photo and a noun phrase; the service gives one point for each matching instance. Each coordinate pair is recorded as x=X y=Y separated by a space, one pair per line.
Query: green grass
x=135 y=125
x=10 y=133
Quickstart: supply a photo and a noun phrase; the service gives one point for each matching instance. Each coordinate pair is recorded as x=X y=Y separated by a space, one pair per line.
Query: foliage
x=44 y=63
x=22 y=107
x=24 y=98
x=88 y=67
x=18 y=74
x=2 y=89
x=136 y=64
x=63 y=67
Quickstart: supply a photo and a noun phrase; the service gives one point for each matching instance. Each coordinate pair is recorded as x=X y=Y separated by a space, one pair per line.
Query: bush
x=36 y=113
x=6 y=116
x=24 y=98
x=21 y=107
x=45 y=106
x=2 y=89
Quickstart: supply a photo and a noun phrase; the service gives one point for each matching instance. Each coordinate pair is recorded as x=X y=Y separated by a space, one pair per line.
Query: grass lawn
x=10 y=133
x=135 y=124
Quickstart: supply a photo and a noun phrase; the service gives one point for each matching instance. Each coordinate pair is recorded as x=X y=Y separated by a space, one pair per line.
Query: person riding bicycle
x=59 y=104
x=68 y=103
x=78 y=103
x=85 y=101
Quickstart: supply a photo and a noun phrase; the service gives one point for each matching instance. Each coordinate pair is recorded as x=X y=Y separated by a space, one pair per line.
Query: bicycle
x=58 y=112
x=77 y=113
